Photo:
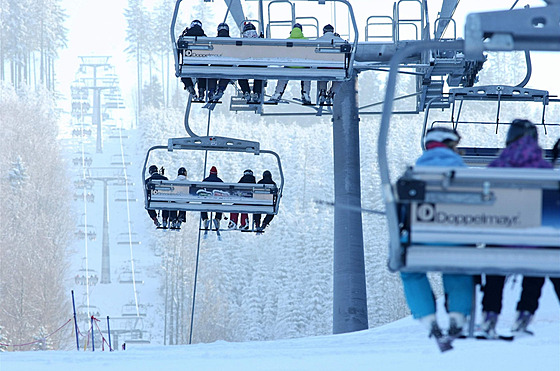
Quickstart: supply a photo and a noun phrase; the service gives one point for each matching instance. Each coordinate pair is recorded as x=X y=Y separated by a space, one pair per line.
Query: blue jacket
x=440 y=156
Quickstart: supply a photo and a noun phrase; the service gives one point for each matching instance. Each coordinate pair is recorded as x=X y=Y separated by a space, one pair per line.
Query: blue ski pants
x=458 y=290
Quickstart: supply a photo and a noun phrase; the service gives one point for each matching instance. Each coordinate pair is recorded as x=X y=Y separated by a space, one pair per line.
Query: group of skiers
x=212 y=90
x=522 y=151
x=174 y=218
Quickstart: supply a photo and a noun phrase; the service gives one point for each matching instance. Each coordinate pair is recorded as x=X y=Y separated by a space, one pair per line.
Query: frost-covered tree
x=136 y=35
x=35 y=220
x=27 y=28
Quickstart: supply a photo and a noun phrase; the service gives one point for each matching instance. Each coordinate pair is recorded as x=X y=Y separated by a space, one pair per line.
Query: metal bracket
x=521 y=29
x=501 y=92
x=213 y=144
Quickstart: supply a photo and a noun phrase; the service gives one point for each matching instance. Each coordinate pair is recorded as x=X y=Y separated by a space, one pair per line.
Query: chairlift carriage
x=121 y=160
x=86 y=276
x=266 y=58
x=123 y=195
x=243 y=58
x=126 y=238
x=126 y=276
x=209 y=196
x=81 y=234
x=472 y=220
x=131 y=310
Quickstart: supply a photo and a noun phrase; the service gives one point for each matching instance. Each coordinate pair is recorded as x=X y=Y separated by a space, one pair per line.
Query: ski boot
x=255 y=98
x=275 y=98
x=456 y=323
x=523 y=320
x=305 y=98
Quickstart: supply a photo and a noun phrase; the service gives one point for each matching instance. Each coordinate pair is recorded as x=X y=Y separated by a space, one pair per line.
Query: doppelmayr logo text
x=428 y=213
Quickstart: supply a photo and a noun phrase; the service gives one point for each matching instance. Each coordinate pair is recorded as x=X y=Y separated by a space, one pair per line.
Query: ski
x=303 y=103
x=444 y=343
x=211 y=105
x=495 y=337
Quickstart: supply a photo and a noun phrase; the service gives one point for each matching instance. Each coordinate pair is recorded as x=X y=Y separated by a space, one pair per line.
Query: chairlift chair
x=129 y=310
x=125 y=239
x=209 y=196
x=249 y=58
x=470 y=220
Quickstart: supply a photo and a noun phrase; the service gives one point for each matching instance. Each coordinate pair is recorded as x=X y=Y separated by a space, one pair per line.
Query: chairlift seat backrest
x=245 y=58
x=210 y=196
x=472 y=220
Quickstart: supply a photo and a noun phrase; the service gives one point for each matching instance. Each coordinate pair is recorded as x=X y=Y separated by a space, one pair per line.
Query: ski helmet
x=153 y=169
x=328 y=28
x=248 y=172
x=520 y=128
x=223 y=26
x=196 y=22
x=298 y=25
x=213 y=170
x=182 y=171
x=248 y=26
x=267 y=174
x=447 y=136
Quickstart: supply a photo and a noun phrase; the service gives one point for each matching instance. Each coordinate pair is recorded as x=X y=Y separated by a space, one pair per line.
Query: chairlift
x=128 y=239
x=86 y=276
x=136 y=337
x=81 y=133
x=85 y=159
x=472 y=220
x=121 y=160
x=209 y=196
x=90 y=197
x=86 y=183
x=127 y=277
x=130 y=310
x=81 y=234
x=249 y=58
x=123 y=195
x=84 y=312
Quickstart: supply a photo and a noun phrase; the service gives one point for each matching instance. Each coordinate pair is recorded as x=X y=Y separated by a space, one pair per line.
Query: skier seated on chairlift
x=195 y=29
x=297 y=33
x=326 y=95
x=522 y=151
x=247 y=177
x=267 y=179
x=249 y=31
x=440 y=144
x=176 y=217
x=213 y=177
x=155 y=175
x=217 y=87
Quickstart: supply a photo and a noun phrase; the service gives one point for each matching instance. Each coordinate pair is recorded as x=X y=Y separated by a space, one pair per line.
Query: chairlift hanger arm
x=521 y=29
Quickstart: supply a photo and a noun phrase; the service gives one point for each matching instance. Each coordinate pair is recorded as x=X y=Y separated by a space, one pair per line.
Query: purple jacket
x=524 y=152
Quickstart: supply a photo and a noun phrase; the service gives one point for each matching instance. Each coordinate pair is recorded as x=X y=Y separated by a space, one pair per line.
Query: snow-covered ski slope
x=401 y=345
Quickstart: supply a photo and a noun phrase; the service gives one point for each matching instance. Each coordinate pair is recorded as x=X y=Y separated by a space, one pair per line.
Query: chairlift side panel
x=264 y=58
x=511 y=207
x=210 y=196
